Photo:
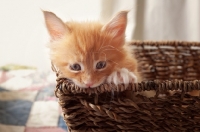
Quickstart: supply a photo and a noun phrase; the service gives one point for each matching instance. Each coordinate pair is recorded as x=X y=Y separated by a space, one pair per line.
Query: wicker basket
x=165 y=66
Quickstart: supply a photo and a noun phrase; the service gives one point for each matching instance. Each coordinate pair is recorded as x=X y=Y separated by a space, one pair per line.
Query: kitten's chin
x=81 y=85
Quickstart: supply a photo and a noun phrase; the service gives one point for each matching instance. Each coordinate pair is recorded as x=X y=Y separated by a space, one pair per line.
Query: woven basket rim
x=164 y=43
x=158 y=86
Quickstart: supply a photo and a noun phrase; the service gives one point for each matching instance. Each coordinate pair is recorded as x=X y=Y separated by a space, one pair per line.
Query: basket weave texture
x=165 y=66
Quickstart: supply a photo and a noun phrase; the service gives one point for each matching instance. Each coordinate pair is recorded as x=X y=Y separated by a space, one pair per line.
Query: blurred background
x=27 y=84
x=23 y=36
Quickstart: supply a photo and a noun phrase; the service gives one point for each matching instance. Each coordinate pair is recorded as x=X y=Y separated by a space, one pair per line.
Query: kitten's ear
x=55 y=25
x=117 y=26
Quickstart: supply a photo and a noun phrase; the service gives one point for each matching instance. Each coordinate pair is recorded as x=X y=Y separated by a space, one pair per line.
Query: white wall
x=22 y=31
x=23 y=35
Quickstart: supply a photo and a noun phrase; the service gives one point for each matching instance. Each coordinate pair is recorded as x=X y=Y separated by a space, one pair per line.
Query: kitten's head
x=86 y=52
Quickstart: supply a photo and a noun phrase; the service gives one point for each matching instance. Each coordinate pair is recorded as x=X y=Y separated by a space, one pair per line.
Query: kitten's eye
x=75 y=67
x=100 y=65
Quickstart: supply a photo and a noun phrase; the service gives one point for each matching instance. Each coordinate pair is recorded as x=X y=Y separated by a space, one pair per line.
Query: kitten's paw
x=122 y=76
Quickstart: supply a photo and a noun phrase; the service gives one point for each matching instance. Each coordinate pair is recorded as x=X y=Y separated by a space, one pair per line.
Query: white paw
x=122 y=76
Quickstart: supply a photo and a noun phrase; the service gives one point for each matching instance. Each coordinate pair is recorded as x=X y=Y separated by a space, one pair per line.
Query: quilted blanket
x=28 y=103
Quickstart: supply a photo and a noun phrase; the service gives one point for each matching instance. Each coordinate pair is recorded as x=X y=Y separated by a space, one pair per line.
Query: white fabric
x=23 y=33
x=11 y=128
x=158 y=19
x=43 y=114
x=23 y=95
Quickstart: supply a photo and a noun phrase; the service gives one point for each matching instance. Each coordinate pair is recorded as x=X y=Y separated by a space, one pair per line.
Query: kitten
x=89 y=53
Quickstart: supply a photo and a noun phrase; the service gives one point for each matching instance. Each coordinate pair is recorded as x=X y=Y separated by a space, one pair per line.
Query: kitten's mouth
x=89 y=86
x=92 y=86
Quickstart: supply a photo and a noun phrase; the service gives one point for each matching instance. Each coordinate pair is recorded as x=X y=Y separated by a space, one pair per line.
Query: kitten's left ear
x=117 y=26
x=55 y=25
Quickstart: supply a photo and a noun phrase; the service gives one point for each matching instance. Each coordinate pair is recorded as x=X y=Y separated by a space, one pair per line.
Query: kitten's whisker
x=106 y=46
x=105 y=56
x=108 y=42
x=102 y=43
x=114 y=62
x=114 y=48
x=108 y=49
x=111 y=47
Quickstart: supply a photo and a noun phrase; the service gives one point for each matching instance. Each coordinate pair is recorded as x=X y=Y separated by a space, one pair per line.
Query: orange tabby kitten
x=89 y=53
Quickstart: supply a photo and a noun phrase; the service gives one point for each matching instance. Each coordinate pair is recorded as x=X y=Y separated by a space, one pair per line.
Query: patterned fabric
x=28 y=103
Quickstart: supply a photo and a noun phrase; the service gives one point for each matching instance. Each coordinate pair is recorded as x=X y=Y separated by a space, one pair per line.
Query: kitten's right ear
x=55 y=25
x=117 y=26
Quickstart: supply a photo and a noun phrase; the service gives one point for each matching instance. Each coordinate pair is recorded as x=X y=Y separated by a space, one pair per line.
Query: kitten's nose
x=88 y=84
